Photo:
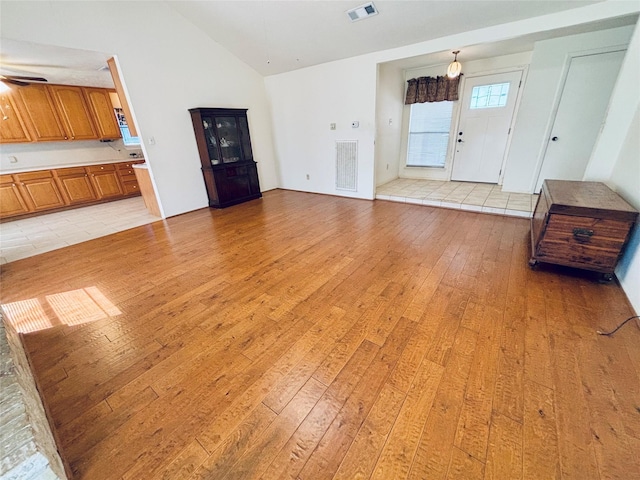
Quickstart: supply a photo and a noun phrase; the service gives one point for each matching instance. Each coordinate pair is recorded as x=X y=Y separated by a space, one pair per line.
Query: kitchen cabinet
x=43 y=191
x=11 y=201
x=41 y=113
x=105 y=181
x=102 y=111
x=75 y=185
x=13 y=128
x=46 y=113
x=580 y=224
x=224 y=144
x=127 y=177
x=39 y=190
x=74 y=112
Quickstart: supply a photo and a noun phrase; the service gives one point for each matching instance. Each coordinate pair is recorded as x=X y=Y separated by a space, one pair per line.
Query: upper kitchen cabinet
x=102 y=110
x=74 y=112
x=13 y=128
x=40 y=110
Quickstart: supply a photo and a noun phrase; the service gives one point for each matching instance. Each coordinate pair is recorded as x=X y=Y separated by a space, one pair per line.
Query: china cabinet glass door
x=210 y=137
x=229 y=139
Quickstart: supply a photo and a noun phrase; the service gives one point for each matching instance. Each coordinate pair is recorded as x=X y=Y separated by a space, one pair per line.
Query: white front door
x=487 y=109
x=582 y=107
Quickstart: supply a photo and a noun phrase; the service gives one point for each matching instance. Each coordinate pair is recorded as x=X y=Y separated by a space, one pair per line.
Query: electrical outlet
x=332 y=126
x=307 y=176
x=152 y=140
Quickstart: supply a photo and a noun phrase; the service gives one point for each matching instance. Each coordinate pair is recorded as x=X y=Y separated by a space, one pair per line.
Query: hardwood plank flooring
x=311 y=337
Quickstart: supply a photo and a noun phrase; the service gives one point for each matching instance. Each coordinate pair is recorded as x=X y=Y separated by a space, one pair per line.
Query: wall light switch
x=355 y=124
x=332 y=126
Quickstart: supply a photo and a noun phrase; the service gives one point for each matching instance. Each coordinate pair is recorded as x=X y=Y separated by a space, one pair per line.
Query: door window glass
x=489 y=96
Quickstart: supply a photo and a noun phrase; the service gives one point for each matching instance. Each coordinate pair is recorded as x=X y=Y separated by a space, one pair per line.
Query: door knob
x=554 y=139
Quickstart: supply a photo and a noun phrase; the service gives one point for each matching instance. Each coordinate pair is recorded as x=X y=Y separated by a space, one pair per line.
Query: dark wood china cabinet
x=230 y=173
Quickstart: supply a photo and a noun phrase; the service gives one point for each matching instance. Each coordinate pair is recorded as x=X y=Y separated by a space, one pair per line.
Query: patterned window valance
x=430 y=89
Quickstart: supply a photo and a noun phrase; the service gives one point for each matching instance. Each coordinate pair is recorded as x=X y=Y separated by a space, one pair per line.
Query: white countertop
x=70 y=165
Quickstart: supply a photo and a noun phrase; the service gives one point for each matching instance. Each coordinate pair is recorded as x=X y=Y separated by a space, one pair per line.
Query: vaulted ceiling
x=274 y=36
x=278 y=36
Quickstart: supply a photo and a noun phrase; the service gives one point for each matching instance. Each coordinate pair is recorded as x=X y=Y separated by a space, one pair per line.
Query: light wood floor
x=313 y=337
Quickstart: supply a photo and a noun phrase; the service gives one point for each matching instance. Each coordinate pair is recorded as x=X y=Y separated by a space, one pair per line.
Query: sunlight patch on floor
x=75 y=307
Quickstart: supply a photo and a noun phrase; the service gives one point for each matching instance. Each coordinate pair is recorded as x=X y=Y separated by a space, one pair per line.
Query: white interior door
x=580 y=113
x=488 y=103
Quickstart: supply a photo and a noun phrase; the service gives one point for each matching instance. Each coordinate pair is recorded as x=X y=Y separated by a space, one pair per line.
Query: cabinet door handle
x=582 y=233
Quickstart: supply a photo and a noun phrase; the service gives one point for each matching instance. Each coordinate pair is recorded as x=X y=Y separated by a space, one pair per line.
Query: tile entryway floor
x=475 y=197
x=31 y=236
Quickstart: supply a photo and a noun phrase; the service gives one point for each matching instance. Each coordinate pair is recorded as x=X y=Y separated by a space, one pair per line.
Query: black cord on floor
x=608 y=334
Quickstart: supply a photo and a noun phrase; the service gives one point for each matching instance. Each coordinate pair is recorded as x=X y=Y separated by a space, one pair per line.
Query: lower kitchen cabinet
x=128 y=178
x=44 y=191
x=105 y=181
x=39 y=190
x=75 y=185
x=11 y=201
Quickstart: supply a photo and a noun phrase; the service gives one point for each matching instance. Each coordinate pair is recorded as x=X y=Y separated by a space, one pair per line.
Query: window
x=489 y=96
x=429 y=127
x=127 y=138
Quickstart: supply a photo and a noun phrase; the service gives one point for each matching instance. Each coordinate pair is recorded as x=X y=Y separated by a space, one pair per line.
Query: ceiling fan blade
x=28 y=79
x=14 y=82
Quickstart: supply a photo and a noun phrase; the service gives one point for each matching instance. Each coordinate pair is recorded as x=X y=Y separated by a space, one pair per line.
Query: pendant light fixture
x=455 y=67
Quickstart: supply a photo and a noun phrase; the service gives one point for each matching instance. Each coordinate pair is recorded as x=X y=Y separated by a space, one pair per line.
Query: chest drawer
x=580 y=224
x=593 y=242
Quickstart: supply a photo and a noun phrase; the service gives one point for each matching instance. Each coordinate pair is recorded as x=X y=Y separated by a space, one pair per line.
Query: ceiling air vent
x=363 y=11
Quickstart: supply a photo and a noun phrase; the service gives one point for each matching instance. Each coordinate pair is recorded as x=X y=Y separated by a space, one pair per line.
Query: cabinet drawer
x=582 y=241
x=26 y=176
x=131 y=187
x=101 y=168
x=70 y=171
x=124 y=166
x=127 y=177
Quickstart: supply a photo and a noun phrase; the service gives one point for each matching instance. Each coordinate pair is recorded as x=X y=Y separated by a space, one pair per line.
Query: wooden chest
x=580 y=224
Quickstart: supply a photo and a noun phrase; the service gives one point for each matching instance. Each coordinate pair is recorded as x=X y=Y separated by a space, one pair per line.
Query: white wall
x=625 y=179
x=389 y=108
x=519 y=61
x=304 y=103
x=168 y=66
x=625 y=95
x=540 y=97
x=44 y=155
x=616 y=159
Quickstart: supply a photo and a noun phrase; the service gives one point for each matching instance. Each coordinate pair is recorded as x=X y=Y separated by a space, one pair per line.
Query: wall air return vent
x=363 y=11
x=347 y=165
